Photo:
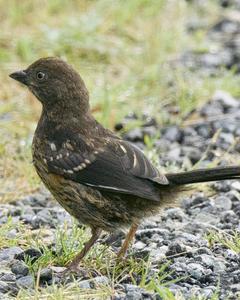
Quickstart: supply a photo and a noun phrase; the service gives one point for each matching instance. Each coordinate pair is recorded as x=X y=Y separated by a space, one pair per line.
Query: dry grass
x=123 y=53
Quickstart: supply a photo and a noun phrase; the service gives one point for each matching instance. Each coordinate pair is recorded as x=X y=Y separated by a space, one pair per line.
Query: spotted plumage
x=101 y=180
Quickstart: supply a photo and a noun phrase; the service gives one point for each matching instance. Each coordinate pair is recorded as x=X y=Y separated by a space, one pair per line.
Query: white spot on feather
x=70 y=171
x=53 y=147
x=78 y=168
x=134 y=160
x=123 y=149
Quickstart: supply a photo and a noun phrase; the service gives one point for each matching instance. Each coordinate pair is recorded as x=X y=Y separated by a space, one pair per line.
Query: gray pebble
x=133 y=292
x=32 y=253
x=19 y=268
x=207 y=218
x=134 y=135
x=207 y=260
x=173 y=134
x=7 y=255
x=175 y=248
x=223 y=203
x=85 y=284
x=236 y=185
x=219 y=266
x=102 y=280
x=175 y=213
x=4 y=287
x=225 y=99
x=139 y=245
x=26 y=282
x=196 y=270
x=46 y=275
x=7 y=276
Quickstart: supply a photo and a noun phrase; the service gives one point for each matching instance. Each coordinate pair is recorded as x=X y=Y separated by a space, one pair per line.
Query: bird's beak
x=20 y=76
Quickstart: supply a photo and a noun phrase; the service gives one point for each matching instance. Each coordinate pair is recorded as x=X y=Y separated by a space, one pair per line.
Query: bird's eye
x=41 y=75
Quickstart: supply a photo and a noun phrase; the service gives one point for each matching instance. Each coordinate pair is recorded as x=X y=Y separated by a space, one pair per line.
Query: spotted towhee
x=100 y=179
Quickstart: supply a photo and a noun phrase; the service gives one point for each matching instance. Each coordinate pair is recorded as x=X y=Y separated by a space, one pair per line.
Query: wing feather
x=117 y=167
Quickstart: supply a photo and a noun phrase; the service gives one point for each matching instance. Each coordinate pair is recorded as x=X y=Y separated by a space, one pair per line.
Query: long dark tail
x=204 y=175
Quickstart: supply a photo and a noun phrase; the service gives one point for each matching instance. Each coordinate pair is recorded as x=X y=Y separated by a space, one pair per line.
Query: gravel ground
x=179 y=234
x=223 y=42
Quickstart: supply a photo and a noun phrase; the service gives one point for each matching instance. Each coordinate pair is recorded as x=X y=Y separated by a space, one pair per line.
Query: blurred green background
x=125 y=52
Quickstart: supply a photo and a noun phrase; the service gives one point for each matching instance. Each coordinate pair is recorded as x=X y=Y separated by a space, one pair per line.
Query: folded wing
x=117 y=167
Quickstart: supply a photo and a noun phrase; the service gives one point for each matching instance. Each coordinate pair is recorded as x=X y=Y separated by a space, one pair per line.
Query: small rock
x=223 y=203
x=150 y=131
x=208 y=292
x=219 y=266
x=230 y=217
x=175 y=213
x=4 y=297
x=226 y=100
x=211 y=109
x=196 y=270
x=7 y=255
x=32 y=253
x=194 y=154
x=26 y=282
x=4 y=287
x=173 y=134
x=102 y=280
x=134 y=135
x=229 y=254
x=194 y=201
x=139 y=245
x=19 y=268
x=207 y=218
x=58 y=269
x=46 y=275
x=235 y=287
x=206 y=259
x=175 y=248
x=174 y=154
x=43 y=217
x=159 y=254
x=236 y=185
x=8 y=277
x=133 y=292
x=222 y=186
x=85 y=284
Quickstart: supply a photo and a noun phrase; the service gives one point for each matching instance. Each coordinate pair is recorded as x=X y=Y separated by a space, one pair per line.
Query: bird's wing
x=116 y=167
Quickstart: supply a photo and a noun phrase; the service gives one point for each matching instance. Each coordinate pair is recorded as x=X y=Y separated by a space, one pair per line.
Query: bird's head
x=55 y=83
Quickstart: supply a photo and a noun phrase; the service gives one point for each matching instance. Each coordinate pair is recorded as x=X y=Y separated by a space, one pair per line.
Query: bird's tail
x=204 y=175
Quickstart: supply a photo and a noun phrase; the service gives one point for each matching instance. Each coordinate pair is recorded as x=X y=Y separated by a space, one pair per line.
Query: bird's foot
x=74 y=269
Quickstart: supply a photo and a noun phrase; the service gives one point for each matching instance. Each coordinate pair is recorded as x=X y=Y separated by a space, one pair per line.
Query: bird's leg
x=73 y=265
x=127 y=240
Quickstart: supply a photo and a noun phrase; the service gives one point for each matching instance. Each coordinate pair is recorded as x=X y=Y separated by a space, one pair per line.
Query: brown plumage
x=101 y=180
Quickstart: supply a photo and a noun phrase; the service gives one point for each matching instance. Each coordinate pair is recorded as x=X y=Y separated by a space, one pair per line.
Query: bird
x=103 y=181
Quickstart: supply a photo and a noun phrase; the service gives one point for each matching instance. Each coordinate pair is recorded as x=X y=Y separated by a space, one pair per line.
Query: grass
x=12 y=233
x=70 y=292
x=125 y=51
x=66 y=243
x=228 y=240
